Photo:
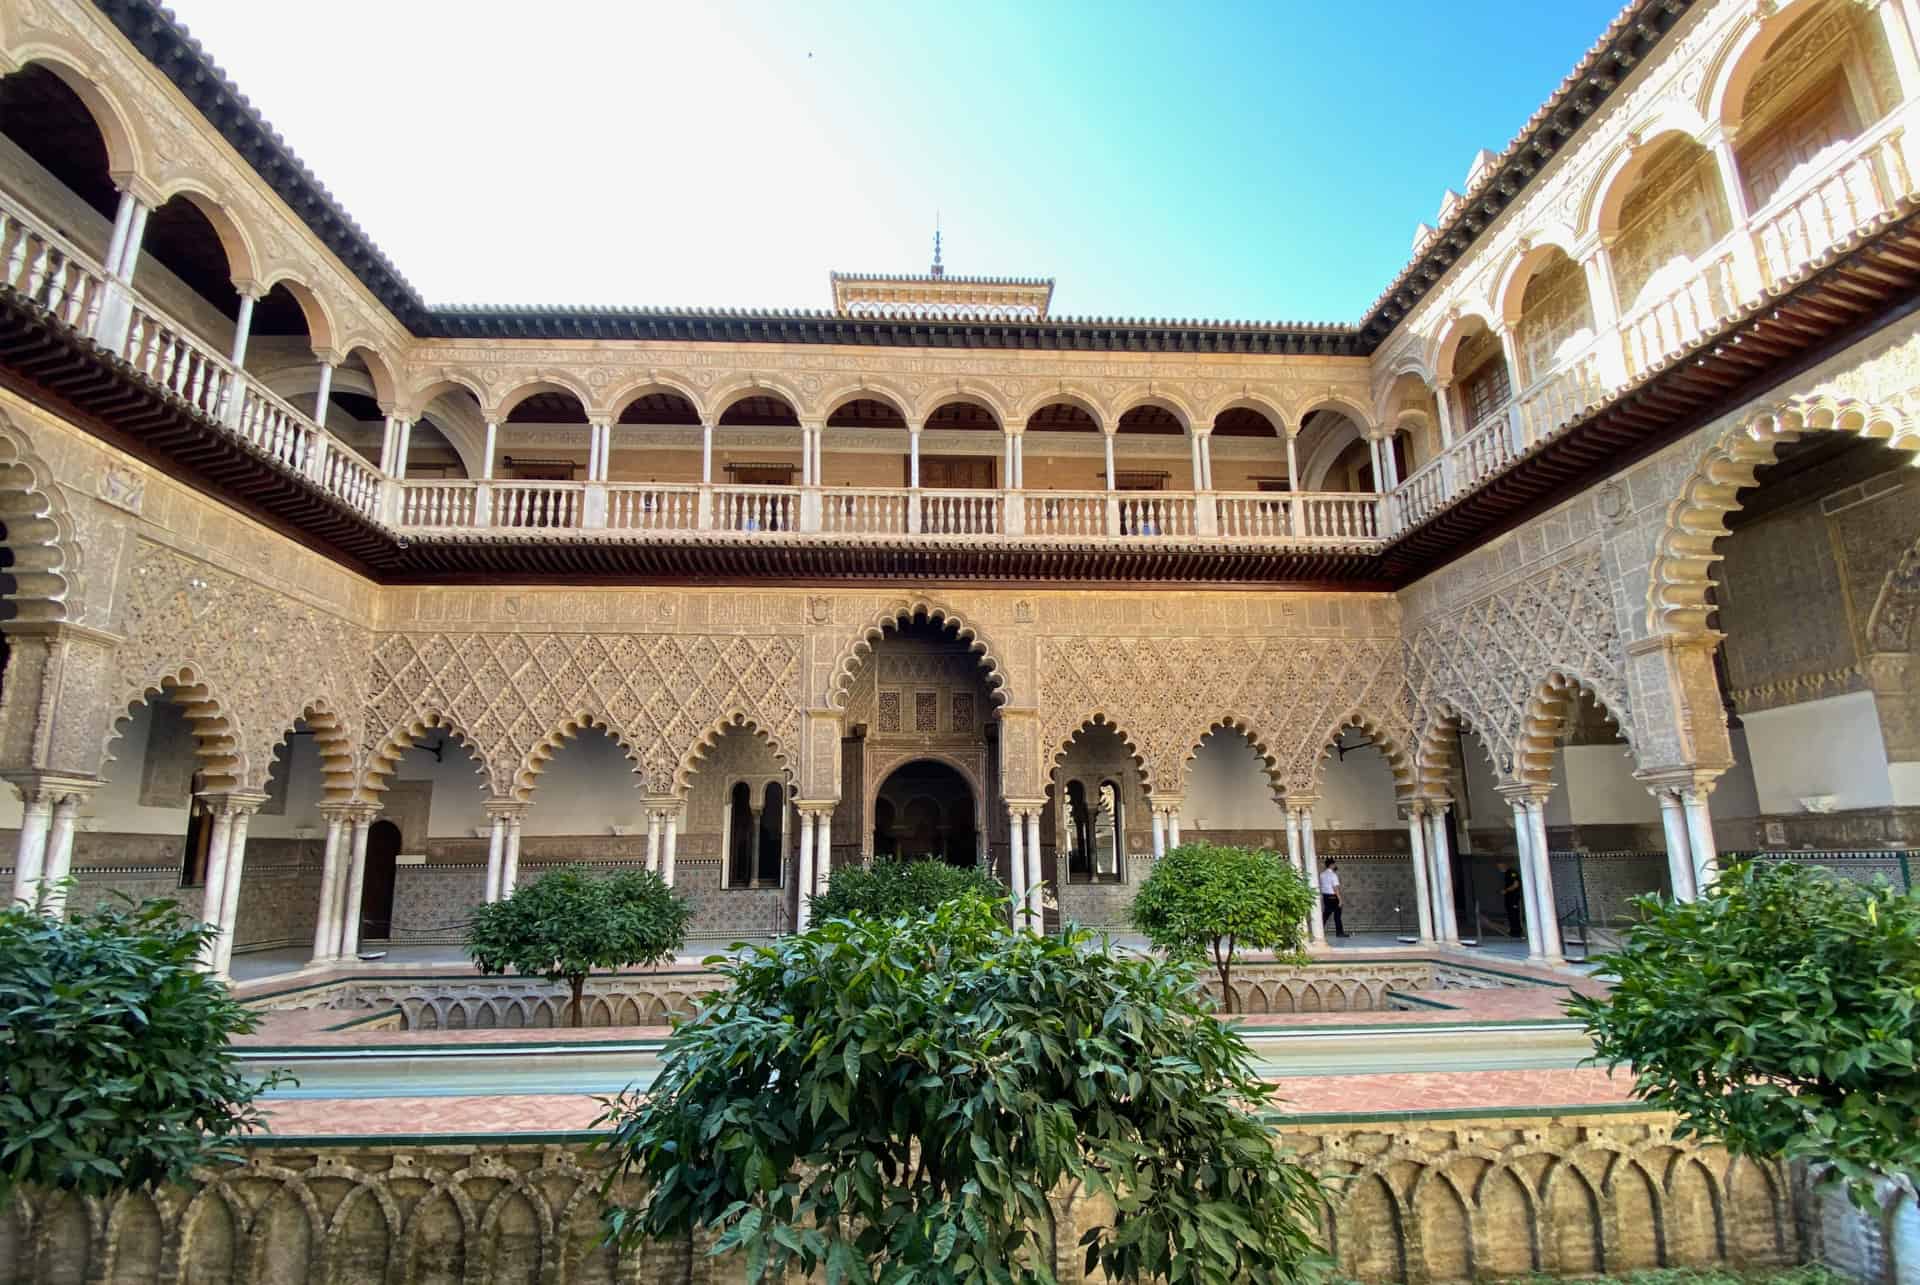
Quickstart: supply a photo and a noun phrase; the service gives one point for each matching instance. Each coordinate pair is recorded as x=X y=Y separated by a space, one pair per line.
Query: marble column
x=1700 y=844
x=653 y=840
x=1034 y=875
x=1017 y=864
x=230 y=890
x=496 y=851
x=510 y=862
x=326 y=929
x=1673 y=821
x=671 y=841
x=1529 y=878
x=1293 y=838
x=355 y=887
x=804 y=875
x=823 y=851
x=1550 y=951
x=1422 y=888
x=30 y=854
x=1440 y=857
x=1159 y=834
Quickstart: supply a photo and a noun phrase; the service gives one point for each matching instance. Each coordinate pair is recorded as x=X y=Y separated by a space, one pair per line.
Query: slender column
x=1293 y=466
x=1034 y=876
x=1391 y=462
x=510 y=863
x=806 y=456
x=403 y=430
x=1159 y=834
x=653 y=839
x=1529 y=878
x=1550 y=949
x=1443 y=404
x=1109 y=442
x=820 y=456
x=1199 y=469
x=1293 y=838
x=326 y=931
x=242 y=330
x=136 y=233
x=671 y=838
x=122 y=224
x=1020 y=461
x=356 y=886
x=1900 y=44
x=1440 y=855
x=1705 y=858
x=1006 y=461
x=496 y=853
x=30 y=855
x=1308 y=854
x=59 y=861
x=1206 y=458
x=803 y=914
x=230 y=891
x=1173 y=825
x=386 y=445
x=1746 y=260
x=1017 y=864
x=1673 y=821
x=1422 y=890
x=322 y=393
x=823 y=850
x=913 y=457
x=493 y=438
x=220 y=836
x=1373 y=457
x=706 y=454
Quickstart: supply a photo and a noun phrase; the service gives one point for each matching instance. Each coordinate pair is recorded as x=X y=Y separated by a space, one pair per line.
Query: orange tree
x=1205 y=901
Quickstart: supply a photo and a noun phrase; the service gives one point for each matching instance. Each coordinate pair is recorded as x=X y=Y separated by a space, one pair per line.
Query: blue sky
x=1247 y=161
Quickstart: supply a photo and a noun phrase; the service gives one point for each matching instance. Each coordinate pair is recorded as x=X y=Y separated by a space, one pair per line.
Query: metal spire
x=938 y=271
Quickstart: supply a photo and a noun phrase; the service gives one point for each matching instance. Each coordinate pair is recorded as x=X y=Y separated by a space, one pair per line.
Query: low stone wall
x=1417 y=1202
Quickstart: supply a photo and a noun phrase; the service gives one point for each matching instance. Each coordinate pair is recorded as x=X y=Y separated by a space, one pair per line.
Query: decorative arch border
x=1066 y=394
x=125 y=152
x=692 y=761
x=384 y=761
x=1100 y=718
x=1434 y=758
x=1270 y=762
x=321 y=329
x=721 y=399
x=1684 y=554
x=652 y=382
x=865 y=389
x=967 y=393
x=243 y=262
x=39 y=531
x=1731 y=69
x=1522 y=267
x=1248 y=399
x=857 y=649
x=1545 y=720
x=526 y=778
x=546 y=381
x=423 y=394
x=1446 y=345
x=1600 y=206
x=217 y=738
x=1357 y=411
x=1162 y=400
x=338 y=777
x=1399 y=761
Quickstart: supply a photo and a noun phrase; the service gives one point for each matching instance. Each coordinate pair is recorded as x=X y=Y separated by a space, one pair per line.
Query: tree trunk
x=579 y=984
x=1225 y=964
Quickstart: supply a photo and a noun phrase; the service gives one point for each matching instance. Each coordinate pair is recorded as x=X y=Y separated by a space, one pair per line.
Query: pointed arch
x=384 y=761
x=1093 y=722
x=905 y=611
x=1434 y=756
x=690 y=762
x=217 y=737
x=1684 y=550
x=39 y=533
x=527 y=778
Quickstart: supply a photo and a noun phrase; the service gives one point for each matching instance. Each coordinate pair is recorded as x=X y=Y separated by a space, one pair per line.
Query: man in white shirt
x=1330 y=900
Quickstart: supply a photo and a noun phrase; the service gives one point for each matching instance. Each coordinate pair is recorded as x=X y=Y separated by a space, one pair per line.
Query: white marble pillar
x=122 y=224
x=1293 y=467
x=510 y=863
x=1293 y=838
x=1550 y=951
x=220 y=835
x=1034 y=875
x=1422 y=889
x=653 y=839
x=1700 y=844
x=59 y=860
x=322 y=393
x=706 y=454
x=1017 y=865
x=1206 y=459
x=403 y=430
x=1199 y=470
x=1673 y=821
x=823 y=851
x=670 y=841
x=1173 y=826
x=496 y=855
x=804 y=875
x=1529 y=878
x=1311 y=857
x=230 y=891
x=242 y=331
x=913 y=458
x=326 y=931
x=486 y=461
x=1020 y=462
x=1440 y=857
x=355 y=889
x=30 y=854
x=1108 y=438
x=1159 y=834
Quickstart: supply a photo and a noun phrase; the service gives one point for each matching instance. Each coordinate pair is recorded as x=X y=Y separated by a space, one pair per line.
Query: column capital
x=816 y=807
x=1434 y=804
x=667 y=809
x=599 y=421
x=53 y=788
x=1301 y=802
x=350 y=811
x=232 y=802
x=1523 y=793
x=329 y=357
x=1681 y=781
x=505 y=809
x=139 y=188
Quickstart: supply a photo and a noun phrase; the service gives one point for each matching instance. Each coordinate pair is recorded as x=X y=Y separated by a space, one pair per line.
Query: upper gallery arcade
x=937 y=569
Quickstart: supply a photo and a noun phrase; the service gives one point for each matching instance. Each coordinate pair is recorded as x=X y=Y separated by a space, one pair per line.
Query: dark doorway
x=376 y=890
x=925 y=809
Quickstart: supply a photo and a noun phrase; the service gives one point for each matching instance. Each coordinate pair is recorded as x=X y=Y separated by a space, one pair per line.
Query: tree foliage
x=1204 y=901
x=1779 y=1014
x=889 y=889
x=895 y=1100
x=570 y=923
x=115 y=1067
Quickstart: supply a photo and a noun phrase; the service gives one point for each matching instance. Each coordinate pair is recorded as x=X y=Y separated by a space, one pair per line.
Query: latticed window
x=1485 y=391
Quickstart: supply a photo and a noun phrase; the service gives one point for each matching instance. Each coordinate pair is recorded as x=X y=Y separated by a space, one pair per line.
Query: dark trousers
x=1330 y=913
x=1516 y=926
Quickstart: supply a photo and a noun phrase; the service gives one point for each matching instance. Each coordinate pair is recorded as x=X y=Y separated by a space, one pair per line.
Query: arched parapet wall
x=854 y=653
x=1093 y=723
x=1684 y=552
x=384 y=760
x=39 y=533
x=692 y=762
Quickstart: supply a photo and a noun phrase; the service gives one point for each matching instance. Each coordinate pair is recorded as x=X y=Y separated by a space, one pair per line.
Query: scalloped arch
x=860 y=646
x=1545 y=720
x=1684 y=550
x=1276 y=770
x=39 y=531
x=217 y=738
x=1398 y=761
x=384 y=761
x=1095 y=720
x=331 y=736
x=527 y=777
x=691 y=761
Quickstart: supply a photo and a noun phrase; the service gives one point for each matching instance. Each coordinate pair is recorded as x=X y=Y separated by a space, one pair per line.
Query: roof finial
x=938 y=271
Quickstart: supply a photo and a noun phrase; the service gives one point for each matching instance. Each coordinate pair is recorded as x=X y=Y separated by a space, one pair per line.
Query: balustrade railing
x=960 y=513
x=1563 y=393
x=536 y=505
x=1265 y=516
x=652 y=507
x=1422 y=494
x=1067 y=513
x=756 y=508
x=49 y=271
x=1810 y=217
x=178 y=362
x=1154 y=513
x=438 y=504
x=1324 y=516
x=1656 y=330
x=865 y=511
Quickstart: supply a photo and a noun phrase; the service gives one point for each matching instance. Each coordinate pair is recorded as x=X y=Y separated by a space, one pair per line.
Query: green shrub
x=889 y=889
x=895 y=1099
x=569 y=923
x=1779 y=1013
x=115 y=1066
x=1205 y=901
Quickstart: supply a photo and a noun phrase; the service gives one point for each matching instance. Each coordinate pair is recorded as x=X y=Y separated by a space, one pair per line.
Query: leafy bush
x=1779 y=1013
x=889 y=889
x=569 y=923
x=1204 y=900
x=896 y=1099
x=115 y=1066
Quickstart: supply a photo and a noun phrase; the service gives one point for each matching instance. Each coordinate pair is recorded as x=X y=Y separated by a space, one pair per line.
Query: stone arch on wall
x=526 y=777
x=384 y=760
x=243 y=262
x=125 y=156
x=1435 y=759
x=217 y=740
x=1546 y=719
x=1091 y=723
x=1269 y=761
x=321 y=330
x=39 y=534
x=334 y=740
x=1684 y=553
x=691 y=761
x=857 y=649
x=1392 y=748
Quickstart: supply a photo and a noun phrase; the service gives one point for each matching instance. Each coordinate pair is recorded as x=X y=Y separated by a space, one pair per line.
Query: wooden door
x=376 y=888
x=954 y=472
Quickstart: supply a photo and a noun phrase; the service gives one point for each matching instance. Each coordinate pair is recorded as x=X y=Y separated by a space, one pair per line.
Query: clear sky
x=1255 y=161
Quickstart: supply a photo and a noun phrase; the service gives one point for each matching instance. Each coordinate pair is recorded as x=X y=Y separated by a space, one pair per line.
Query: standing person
x=1510 y=894
x=1330 y=900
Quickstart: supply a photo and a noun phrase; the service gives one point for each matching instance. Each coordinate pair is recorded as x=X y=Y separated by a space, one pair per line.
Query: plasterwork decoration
x=246 y=664
x=891 y=615
x=1684 y=554
x=1890 y=629
x=514 y=695
x=1502 y=662
x=40 y=533
x=1164 y=694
